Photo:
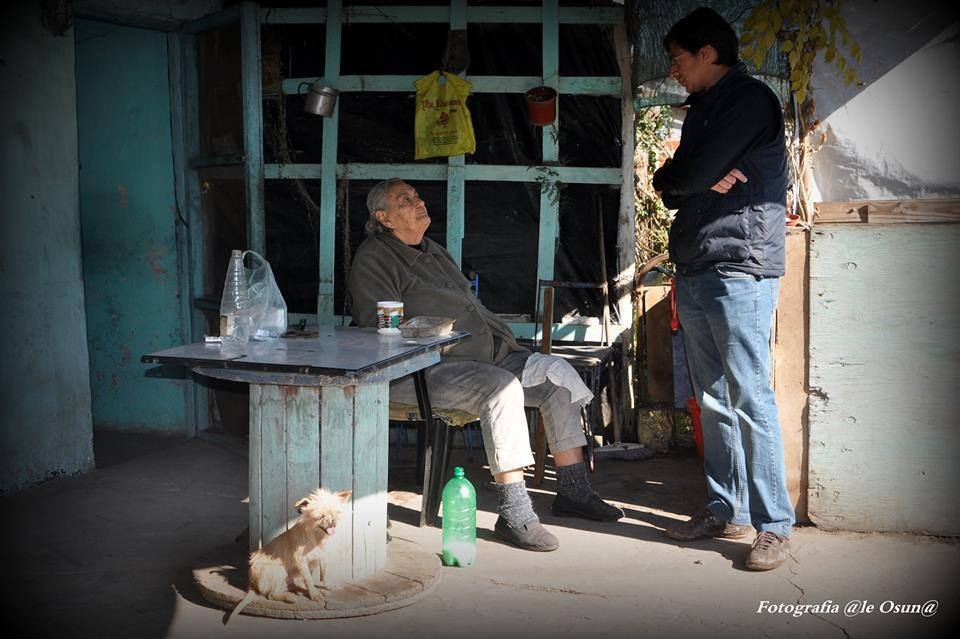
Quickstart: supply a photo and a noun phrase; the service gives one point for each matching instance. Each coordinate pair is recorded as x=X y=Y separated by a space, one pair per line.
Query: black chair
x=434 y=443
x=589 y=360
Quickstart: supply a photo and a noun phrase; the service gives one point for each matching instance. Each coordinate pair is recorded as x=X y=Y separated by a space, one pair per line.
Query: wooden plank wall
x=884 y=376
x=789 y=352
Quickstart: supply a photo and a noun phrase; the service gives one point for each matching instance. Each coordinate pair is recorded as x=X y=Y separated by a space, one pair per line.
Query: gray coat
x=428 y=282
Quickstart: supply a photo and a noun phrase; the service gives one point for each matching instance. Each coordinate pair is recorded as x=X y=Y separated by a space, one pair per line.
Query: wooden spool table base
x=409 y=574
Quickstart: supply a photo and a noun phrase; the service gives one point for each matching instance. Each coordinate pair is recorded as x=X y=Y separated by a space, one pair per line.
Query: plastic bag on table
x=268 y=310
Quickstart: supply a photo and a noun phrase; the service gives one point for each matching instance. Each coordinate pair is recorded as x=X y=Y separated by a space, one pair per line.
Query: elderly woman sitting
x=481 y=375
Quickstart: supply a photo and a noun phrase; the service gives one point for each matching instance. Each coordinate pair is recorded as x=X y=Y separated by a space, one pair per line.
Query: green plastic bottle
x=459 y=521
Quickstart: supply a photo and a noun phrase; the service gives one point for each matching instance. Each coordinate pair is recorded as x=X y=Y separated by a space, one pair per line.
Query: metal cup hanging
x=320 y=100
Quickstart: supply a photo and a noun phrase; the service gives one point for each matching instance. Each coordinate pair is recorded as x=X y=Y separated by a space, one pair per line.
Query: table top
x=332 y=352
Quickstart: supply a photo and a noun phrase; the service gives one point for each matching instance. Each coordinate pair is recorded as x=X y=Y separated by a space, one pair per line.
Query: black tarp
x=501 y=219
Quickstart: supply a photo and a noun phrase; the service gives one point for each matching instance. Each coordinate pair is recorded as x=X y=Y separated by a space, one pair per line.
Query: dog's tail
x=241 y=605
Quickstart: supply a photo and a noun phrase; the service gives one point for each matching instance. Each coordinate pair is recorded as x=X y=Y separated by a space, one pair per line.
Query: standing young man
x=728 y=181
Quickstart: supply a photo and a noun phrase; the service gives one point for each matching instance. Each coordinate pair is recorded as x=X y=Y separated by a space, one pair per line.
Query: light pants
x=726 y=319
x=493 y=392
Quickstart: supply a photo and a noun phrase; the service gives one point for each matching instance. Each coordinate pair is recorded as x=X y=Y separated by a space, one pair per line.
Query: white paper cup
x=389 y=317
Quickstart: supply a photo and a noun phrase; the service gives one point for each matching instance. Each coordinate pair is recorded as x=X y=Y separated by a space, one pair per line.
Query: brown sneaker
x=768 y=551
x=700 y=525
x=736 y=531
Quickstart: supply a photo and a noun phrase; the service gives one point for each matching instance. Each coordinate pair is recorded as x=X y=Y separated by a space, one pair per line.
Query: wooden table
x=318 y=417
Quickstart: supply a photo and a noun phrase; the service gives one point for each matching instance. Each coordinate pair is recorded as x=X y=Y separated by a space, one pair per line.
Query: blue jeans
x=726 y=318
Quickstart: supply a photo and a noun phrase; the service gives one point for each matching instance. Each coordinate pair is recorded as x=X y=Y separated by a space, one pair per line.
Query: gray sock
x=572 y=482
x=514 y=505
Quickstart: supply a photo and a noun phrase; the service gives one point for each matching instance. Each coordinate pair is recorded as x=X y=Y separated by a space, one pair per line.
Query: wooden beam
x=253 y=125
x=472 y=172
x=888 y=211
x=626 y=264
x=582 y=85
x=456 y=202
x=550 y=144
x=327 y=239
x=412 y=14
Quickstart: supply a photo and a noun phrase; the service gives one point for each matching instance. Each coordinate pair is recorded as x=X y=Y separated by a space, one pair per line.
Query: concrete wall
x=897 y=137
x=44 y=375
x=130 y=218
x=128 y=257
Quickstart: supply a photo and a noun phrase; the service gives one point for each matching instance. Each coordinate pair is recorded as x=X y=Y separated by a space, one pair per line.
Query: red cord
x=674 y=316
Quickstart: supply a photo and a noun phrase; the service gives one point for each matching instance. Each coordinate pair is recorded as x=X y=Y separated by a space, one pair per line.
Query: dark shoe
x=530 y=536
x=703 y=524
x=768 y=551
x=594 y=508
x=736 y=531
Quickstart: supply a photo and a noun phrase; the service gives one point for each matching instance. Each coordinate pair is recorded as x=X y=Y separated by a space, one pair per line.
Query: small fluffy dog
x=289 y=560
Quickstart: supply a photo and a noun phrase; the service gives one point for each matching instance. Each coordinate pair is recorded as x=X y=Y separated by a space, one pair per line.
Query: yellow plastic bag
x=442 y=124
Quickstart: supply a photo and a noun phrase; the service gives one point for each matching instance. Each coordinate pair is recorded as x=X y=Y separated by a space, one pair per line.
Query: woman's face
x=406 y=214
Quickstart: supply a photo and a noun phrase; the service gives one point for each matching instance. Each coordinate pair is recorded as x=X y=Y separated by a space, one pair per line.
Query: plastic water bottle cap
x=458 y=471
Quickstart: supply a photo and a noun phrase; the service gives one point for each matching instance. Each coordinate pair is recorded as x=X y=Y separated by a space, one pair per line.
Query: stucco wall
x=130 y=220
x=44 y=379
x=897 y=137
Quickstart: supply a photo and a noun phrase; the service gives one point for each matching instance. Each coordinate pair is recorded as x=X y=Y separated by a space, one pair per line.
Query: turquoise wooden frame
x=456 y=172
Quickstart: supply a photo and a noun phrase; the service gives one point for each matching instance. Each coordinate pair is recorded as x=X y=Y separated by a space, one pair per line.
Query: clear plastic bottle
x=234 y=316
x=459 y=499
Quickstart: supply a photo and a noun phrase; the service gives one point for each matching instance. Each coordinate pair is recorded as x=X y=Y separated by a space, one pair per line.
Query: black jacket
x=736 y=123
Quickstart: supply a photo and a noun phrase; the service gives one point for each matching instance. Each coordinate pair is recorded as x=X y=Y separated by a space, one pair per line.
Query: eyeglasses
x=672 y=60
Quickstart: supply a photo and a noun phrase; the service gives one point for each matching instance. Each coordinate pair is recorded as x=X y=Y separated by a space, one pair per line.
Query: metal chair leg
x=437 y=440
x=539 y=451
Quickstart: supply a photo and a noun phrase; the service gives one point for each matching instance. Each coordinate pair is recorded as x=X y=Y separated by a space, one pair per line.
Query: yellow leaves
x=802 y=29
x=856 y=52
x=768 y=39
x=757 y=58
x=776 y=21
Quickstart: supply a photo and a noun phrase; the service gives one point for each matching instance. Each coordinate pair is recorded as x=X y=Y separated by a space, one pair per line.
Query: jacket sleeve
x=372 y=279
x=745 y=123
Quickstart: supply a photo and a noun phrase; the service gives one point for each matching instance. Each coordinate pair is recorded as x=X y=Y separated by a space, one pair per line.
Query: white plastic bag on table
x=268 y=310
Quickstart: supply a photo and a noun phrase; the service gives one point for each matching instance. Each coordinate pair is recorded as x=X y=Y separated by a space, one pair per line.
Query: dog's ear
x=345 y=495
x=300 y=505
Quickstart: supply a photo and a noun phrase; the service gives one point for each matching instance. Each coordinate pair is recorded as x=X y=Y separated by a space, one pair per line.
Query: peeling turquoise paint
x=128 y=217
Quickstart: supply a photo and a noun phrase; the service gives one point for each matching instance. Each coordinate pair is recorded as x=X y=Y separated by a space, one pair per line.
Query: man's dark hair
x=702 y=27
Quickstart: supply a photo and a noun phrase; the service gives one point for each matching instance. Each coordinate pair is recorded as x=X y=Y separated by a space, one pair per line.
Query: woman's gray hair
x=377 y=201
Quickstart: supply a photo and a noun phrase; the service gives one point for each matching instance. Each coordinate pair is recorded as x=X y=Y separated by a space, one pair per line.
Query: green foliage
x=803 y=28
x=549 y=181
x=653 y=126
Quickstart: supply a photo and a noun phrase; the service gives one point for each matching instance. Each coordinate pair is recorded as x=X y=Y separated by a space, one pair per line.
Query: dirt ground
x=111 y=554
